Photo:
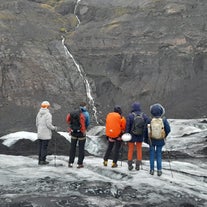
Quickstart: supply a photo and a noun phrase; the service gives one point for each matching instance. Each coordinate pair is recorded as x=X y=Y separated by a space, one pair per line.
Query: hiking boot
x=80 y=166
x=105 y=163
x=159 y=172
x=114 y=165
x=70 y=164
x=151 y=172
x=43 y=162
x=130 y=166
x=138 y=163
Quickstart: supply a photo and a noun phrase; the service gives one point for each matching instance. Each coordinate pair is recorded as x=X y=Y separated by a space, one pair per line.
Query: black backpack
x=138 y=124
x=75 y=124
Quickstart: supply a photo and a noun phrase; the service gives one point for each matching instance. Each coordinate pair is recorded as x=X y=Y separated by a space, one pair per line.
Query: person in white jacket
x=44 y=131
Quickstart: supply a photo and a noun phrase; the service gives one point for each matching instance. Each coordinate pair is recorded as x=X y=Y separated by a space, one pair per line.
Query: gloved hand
x=56 y=128
x=112 y=140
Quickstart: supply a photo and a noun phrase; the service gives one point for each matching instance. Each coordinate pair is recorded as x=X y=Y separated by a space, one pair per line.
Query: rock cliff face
x=147 y=51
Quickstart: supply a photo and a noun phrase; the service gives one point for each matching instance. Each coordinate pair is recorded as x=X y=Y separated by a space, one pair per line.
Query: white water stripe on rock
x=85 y=80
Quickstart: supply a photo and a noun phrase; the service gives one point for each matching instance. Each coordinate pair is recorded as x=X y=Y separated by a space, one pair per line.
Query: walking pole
x=122 y=152
x=149 y=135
x=169 y=163
x=55 y=150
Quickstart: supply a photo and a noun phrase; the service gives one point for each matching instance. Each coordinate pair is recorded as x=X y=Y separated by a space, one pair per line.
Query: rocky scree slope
x=148 y=51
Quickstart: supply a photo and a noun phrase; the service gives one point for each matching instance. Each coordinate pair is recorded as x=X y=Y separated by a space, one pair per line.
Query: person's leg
x=40 y=151
x=72 y=150
x=152 y=158
x=81 y=151
x=108 y=151
x=44 y=149
x=116 y=152
x=130 y=155
x=130 y=150
x=139 y=155
x=159 y=160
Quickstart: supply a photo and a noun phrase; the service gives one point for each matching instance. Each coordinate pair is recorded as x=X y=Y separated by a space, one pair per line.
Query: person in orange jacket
x=115 y=127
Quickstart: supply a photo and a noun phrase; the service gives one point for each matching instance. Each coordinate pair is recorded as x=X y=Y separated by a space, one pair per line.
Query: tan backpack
x=157 y=130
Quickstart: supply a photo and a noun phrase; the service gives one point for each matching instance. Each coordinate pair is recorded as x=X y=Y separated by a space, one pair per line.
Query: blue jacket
x=157 y=110
x=86 y=115
x=130 y=118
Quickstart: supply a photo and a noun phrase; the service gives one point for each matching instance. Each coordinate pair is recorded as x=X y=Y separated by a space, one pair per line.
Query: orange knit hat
x=45 y=104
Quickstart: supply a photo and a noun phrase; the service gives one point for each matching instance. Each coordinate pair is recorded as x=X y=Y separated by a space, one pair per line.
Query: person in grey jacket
x=44 y=131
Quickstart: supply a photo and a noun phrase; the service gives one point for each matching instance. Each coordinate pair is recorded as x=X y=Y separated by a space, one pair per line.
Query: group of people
x=137 y=126
x=140 y=128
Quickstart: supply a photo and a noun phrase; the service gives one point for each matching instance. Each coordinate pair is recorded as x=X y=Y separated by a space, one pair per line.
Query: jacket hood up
x=136 y=107
x=43 y=111
x=157 y=110
x=83 y=108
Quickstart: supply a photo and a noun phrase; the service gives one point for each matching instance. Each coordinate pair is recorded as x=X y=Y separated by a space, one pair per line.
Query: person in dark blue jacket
x=136 y=141
x=156 y=144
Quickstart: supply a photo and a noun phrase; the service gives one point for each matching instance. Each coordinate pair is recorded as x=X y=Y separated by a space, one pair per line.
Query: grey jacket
x=44 y=124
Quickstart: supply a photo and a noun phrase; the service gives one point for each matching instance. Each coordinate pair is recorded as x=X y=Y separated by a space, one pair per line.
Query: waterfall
x=85 y=80
x=80 y=70
x=76 y=5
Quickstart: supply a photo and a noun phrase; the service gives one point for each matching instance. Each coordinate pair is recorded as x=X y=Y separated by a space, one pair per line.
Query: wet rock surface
x=147 y=51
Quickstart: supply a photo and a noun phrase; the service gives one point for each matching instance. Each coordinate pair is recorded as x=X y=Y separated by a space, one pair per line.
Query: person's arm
x=129 y=123
x=68 y=118
x=87 y=119
x=49 y=122
x=166 y=126
x=123 y=124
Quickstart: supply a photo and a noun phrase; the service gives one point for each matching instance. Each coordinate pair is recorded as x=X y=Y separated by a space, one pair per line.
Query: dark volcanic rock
x=147 y=51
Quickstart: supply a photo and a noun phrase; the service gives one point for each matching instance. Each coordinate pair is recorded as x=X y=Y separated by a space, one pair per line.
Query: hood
x=136 y=107
x=43 y=111
x=83 y=108
x=157 y=110
x=117 y=109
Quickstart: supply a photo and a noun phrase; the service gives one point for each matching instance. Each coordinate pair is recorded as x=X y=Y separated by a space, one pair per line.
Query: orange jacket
x=115 y=125
x=82 y=122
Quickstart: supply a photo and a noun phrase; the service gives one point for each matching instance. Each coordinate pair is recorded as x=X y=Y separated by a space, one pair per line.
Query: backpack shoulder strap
x=134 y=114
x=141 y=114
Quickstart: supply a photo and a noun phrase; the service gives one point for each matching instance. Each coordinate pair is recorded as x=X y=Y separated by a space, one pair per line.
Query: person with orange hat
x=44 y=131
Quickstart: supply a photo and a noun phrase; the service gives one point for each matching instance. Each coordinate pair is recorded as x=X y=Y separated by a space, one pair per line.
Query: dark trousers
x=111 y=144
x=43 y=144
x=81 y=149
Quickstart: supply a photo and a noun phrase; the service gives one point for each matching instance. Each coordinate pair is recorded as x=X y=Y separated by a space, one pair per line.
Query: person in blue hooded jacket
x=137 y=139
x=156 y=144
x=85 y=113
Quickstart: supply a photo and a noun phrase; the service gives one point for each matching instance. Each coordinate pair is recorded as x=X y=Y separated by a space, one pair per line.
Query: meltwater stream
x=80 y=69
x=75 y=9
x=85 y=80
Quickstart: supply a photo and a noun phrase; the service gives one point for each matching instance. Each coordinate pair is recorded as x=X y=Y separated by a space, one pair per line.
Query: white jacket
x=44 y=124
